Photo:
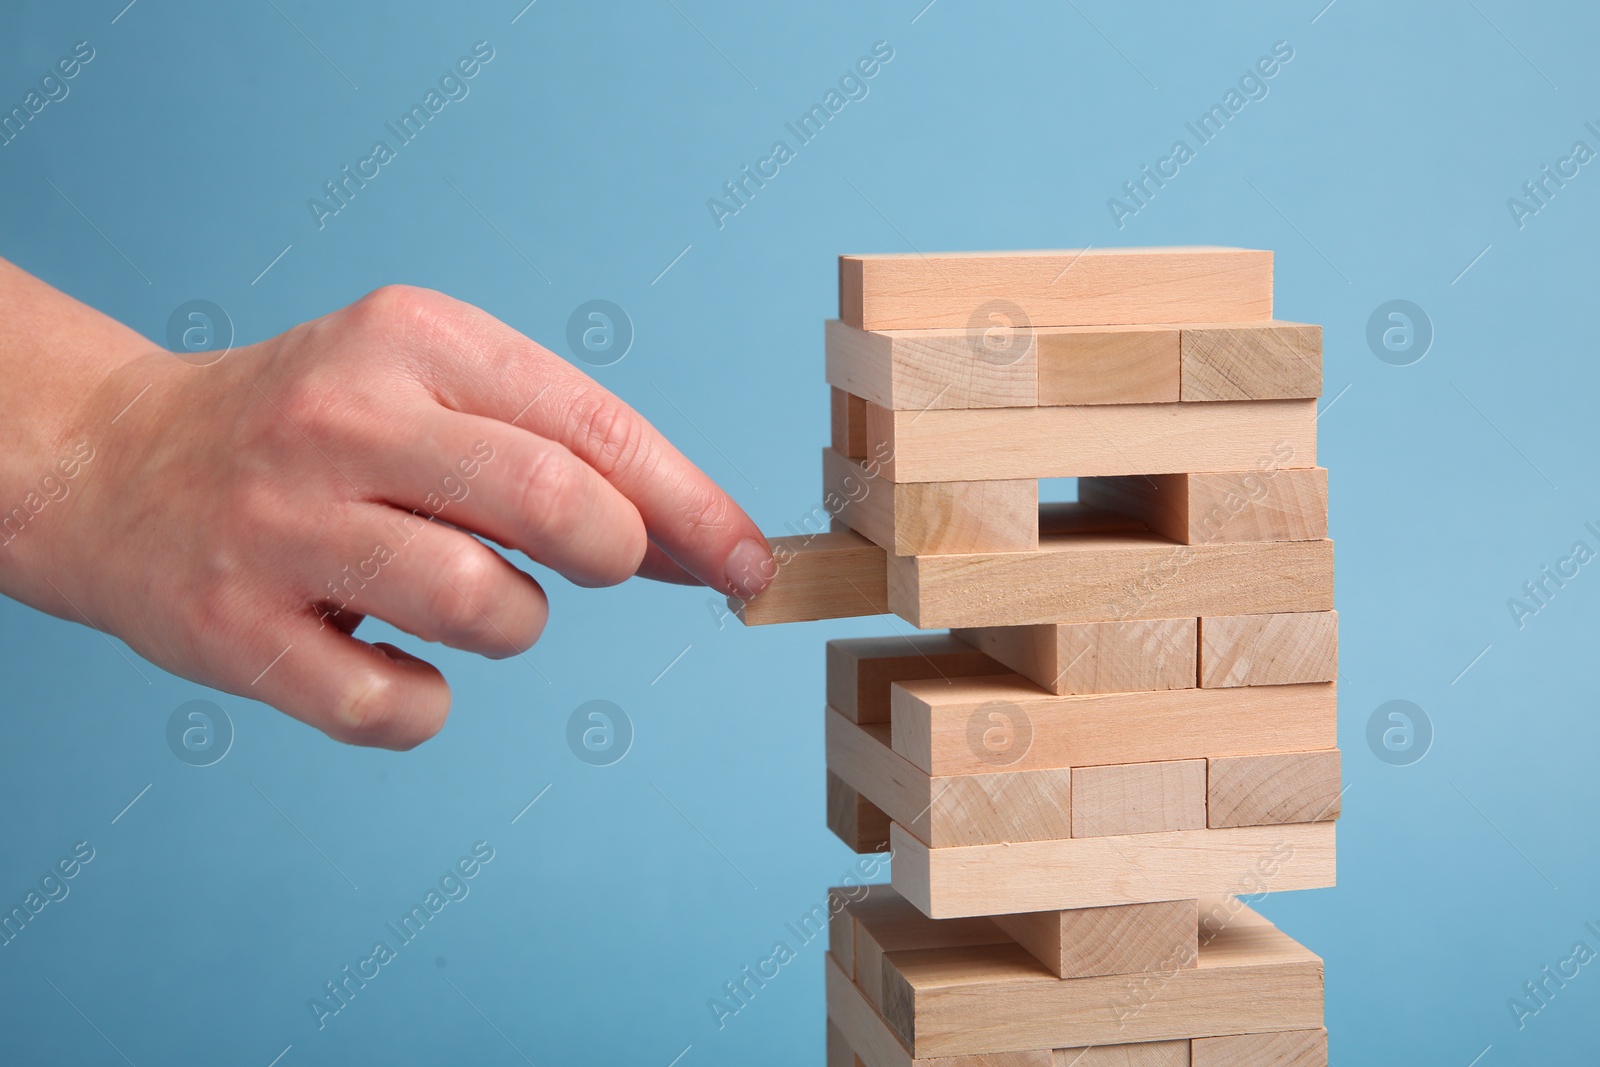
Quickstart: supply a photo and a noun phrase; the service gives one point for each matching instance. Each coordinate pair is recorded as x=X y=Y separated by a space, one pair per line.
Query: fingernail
x=750 y=568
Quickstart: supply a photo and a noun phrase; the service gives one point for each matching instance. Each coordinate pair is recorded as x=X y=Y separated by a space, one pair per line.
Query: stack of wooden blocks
x=1130 y=725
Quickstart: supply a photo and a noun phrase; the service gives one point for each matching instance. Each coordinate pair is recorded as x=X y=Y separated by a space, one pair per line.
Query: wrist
x=59 y=362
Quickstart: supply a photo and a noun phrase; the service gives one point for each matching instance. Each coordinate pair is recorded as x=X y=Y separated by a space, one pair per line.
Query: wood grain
x=1107 y=365
x=1095 y=657
x=1090 y=287
x=1288 y=787
x=1096 y=578
x=1127 y=939
x=1090 y=872
x=967 y=809
x=1084 y=441
x=1249 y=978
x=848 y=418
x=839 y=1052
x=1144 y=1054
x=1251 y=361
x=926 y=518
x=855 y=820
x=1138 y=798
x=1293 y=1048
x=877 y=1045
x=1272 y=504
x=918 y=370
x=938 y=725
x=884 y=921
x=861 y=669
x=1273 y=649
x=858 y=1023
x=841 y=927
x=819 y=576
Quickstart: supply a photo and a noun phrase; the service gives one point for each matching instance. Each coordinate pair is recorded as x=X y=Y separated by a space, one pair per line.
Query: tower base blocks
x=1128 y=730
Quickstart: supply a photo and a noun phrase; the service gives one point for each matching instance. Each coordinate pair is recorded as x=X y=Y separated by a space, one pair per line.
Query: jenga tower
x=1129 y=728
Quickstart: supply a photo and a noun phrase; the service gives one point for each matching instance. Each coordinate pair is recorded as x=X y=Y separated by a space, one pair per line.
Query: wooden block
x=839 y=1052
x=1251 y=361
x=841 y=927
x=1273 y=649
x=858 y=1023
x=849 y=418
x=1095 y=657
x=967 y=809
x=1144 y=1054
x=924 y=518
x=884 y=921
x=937 y=726
x=1290 y=787
x=1091 y=872
x=1100 y=577
x=1128 y=939
x=1292 y=1048
x=878 y=1046
x=861 y=669
x=1091 y=287
x=1083 y=441
x=1272 y=504
x=977 y=809
x=918 y=370
x=1138 y=798
x=820 y=576
x=855 y=820
x=1107 y=365
x=1250 y=978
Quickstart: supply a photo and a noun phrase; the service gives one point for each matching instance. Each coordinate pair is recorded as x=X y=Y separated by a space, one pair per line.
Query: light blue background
x=1378 y=167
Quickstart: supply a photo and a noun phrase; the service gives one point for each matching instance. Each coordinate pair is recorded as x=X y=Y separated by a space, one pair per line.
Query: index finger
x=497 y=372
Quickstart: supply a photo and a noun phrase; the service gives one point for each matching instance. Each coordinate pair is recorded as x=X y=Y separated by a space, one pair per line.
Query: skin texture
x=234 y=523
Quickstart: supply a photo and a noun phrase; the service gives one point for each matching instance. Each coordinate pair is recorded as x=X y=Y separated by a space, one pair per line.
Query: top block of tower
x=1092 y=287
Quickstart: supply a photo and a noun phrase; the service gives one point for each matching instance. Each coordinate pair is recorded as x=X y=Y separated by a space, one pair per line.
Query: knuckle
x=407 y=319
x=321 y=382
x=610 y=433
x=395 y=311
x=378 y=705
x=706 y=509
x=559 y=510
x=631 y=557
x=462 y=597
x=636 y=541
x=405 y=328
x=364 y=710
x=548 y=493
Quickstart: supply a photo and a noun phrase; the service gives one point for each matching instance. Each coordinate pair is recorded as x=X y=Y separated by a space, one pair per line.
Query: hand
x=234 y=523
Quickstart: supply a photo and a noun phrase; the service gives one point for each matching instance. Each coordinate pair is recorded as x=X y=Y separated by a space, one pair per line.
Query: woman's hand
x=233 y=523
